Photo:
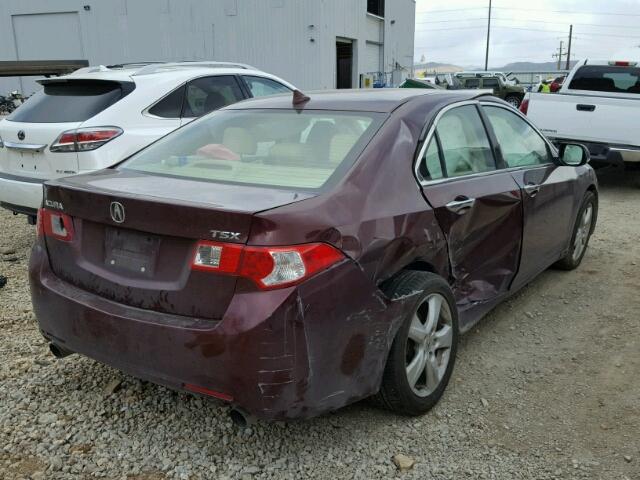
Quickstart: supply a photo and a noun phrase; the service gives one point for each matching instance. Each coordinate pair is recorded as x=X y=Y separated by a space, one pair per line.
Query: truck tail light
x=524 y=106
x=84 y=139
x=623 y=63
x=268 y=267
x=54 y=224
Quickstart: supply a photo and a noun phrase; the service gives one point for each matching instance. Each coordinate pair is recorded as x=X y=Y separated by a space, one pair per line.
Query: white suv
x=97 y=116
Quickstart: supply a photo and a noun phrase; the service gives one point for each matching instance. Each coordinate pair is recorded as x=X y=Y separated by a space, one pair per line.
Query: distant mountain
x=531 y=67
x=432 y=67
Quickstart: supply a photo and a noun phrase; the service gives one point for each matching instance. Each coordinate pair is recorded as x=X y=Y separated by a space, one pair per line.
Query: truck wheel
x=582 y=230
x=514 y=101
x=424 y=349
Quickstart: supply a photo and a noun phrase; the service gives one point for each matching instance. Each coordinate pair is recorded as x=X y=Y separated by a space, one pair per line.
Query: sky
x=454 y=31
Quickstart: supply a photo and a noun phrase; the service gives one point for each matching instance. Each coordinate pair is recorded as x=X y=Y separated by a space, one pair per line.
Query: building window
x=375 y=7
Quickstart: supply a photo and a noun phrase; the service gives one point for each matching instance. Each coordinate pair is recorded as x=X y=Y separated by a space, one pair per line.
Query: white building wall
x=294 y=39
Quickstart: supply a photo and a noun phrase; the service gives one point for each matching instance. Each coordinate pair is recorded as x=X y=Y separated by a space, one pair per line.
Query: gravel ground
x=547 y=386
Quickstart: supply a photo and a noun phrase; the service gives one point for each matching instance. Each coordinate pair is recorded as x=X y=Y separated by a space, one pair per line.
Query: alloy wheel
x=582 y=233
x=428 y=347
x=514 y=102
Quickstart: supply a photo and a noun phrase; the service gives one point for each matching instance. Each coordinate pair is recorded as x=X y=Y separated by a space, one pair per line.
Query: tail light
x=524 y=106
x=54 y=224
x=84 y=139
x=268 y=267
x=620 y=63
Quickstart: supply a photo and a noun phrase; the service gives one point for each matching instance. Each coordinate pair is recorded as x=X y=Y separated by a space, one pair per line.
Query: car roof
x=179 y=72
x=383 y=100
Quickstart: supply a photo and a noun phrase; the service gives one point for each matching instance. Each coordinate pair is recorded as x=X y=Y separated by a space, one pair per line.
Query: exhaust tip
x=240 y=418
x=58 y=351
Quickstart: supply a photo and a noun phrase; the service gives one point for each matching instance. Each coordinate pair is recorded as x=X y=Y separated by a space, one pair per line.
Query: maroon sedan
x=292 y=257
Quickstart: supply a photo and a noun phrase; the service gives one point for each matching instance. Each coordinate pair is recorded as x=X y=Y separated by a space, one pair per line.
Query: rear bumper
x=20 y=194
x=279 y=354
x=603 y=154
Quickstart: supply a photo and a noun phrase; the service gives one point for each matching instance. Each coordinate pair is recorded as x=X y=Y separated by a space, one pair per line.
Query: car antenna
x=299 y=98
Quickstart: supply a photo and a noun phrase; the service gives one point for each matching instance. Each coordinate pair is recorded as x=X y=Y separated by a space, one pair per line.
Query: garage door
x=47 y=36
x=372 y=58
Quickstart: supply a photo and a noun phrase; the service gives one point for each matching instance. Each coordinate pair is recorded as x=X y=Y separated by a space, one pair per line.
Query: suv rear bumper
x=20 y=194
x=277 y=354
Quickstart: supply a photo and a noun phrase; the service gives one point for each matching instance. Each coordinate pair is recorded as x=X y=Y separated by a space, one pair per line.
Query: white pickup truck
x=598 y=105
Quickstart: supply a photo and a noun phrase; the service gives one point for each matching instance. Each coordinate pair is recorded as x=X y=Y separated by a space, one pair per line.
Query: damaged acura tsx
x=292 y=257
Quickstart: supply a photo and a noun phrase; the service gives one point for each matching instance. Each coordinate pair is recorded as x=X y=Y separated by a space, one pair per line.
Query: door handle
x=585 y=108
x=25 y=147
x=532 y=189
x=461 y=205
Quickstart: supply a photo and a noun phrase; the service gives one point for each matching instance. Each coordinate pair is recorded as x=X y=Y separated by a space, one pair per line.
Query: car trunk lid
x=139 y=253
x=26 y=152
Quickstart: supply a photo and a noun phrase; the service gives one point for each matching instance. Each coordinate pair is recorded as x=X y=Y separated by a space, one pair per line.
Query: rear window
x=309 y=150
x=603 y=78
x=71 y=101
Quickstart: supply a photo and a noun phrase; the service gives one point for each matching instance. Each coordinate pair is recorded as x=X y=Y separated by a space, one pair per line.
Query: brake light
x=620 y=63
x=54 y=224
x=524 y=106
x=84 y=139
x=268 y=267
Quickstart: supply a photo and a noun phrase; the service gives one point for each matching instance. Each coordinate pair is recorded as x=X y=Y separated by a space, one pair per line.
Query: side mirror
x=574 y=154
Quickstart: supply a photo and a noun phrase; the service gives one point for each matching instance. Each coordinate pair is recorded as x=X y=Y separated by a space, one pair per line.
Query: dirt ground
x=547 y=386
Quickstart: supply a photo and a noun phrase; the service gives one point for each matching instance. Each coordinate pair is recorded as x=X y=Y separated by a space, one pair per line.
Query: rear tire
x=582 y=230
x=514 y=101
x=423 y=352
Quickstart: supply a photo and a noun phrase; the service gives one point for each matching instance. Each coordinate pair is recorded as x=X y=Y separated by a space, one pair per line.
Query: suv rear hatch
x=145 y=261
x=62 y=105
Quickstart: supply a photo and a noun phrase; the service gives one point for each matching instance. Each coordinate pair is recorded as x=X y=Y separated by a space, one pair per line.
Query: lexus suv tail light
x=54 y=224
x=84 y=139
x=524 y=106
x=268 y=267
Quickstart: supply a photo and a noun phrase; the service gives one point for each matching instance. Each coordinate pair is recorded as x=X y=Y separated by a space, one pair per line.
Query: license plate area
x=131 y=252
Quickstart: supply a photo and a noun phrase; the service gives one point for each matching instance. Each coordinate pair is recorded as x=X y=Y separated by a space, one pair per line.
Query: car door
x=547 y=189
x=478 y=206
x=206 y=94
x=491 y=83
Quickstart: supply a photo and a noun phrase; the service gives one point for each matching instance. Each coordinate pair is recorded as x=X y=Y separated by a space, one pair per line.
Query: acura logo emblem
x=117 y=212
x=21 y=135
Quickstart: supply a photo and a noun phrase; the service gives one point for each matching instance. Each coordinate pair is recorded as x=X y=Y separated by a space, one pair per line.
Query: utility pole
x=560 y=54
x=569 y=49
x=486 y=57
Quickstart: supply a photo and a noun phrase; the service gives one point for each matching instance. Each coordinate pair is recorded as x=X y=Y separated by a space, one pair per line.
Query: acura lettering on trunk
x=292 y=256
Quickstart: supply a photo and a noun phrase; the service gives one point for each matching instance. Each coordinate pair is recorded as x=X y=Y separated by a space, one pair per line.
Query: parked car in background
x=97 y=116
x=418 y=83
x=598 y=105
x=512 y=94
x=257 y=256
x=501 y=75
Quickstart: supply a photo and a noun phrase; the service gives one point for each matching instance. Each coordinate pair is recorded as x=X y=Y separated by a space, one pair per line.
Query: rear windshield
x=72 y=101
x=602 y=78
x=280 y=148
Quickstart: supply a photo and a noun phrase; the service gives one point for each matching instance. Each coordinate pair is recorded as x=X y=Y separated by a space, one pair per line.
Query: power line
x=597 y=34
x=483 y=19
x=570 y=11
x=577 y=12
